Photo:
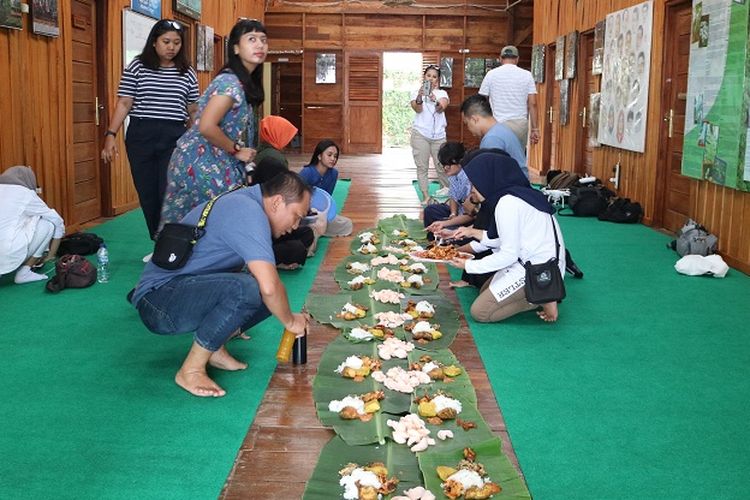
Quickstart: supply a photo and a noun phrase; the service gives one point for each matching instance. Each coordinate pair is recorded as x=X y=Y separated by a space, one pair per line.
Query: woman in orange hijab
x=275 y=134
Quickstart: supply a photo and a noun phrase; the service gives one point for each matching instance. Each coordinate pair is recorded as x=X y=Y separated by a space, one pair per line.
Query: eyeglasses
x=171 y=24
x=249 y=19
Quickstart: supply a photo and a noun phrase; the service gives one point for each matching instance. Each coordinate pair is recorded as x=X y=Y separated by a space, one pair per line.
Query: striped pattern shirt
x=162 y=94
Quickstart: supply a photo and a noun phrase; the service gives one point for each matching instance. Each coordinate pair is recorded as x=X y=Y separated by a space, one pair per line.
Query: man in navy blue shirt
x=208 y=296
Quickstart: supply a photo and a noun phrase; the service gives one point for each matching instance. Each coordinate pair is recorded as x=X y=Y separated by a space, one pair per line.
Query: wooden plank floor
x=281 y=448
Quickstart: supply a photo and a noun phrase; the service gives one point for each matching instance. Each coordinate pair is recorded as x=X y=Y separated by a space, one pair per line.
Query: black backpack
x=589 y=201
x=622 y=210
x=80 y=244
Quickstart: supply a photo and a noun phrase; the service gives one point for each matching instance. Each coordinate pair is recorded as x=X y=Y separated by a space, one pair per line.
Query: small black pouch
x=544 y=282
x=174 y=245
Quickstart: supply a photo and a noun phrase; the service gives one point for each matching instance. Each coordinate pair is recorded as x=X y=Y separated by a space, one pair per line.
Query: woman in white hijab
x=28 y=227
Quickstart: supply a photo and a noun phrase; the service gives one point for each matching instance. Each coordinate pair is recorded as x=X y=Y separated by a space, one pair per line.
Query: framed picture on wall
x=537 y=62
x=597 y=63
x=560 y=58
x=473 y=72
x=150 y=8
x=44 y=18
x=325 y=68
x=564 y=101
x=446 y=72
x=191 y=8
x=10 y=14
x=571 y=53
x=209 y=48
x=200 y=48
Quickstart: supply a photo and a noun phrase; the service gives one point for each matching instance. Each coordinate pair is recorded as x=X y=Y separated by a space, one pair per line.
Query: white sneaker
x=147 y=258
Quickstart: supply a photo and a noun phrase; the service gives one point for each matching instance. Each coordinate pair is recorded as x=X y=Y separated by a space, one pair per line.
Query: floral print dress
x=199 y=171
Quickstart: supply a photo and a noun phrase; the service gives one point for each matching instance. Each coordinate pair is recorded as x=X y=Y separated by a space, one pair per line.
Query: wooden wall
x=440 y=29
x=37 y=109
x=726 y=212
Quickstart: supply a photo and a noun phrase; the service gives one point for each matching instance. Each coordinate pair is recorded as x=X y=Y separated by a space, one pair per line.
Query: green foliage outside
x=397 y=114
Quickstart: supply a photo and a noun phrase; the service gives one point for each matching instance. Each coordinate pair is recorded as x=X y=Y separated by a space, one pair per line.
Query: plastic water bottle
x=102 y=264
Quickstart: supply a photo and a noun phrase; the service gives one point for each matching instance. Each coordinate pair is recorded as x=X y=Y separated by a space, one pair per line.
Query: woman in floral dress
x=210 y=158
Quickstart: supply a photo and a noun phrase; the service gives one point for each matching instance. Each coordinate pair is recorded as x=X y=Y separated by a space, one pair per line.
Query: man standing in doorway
x=512 y=94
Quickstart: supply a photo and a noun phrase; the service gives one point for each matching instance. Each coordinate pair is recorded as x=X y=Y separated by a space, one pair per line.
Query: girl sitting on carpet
x=28 y=227
x=521 y=227
x=321 y=173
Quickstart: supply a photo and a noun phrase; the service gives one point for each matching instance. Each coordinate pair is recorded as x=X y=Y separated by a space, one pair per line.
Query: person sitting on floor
x=208 y=296
x=451 y=214
x=28 y=227
x=522 y=227
x=321 y=173
x=292 y=249
x=275 y=134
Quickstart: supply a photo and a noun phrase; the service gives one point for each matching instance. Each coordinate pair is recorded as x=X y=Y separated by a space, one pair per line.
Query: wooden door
x=363 y=123
x=673 y=189
x=587 y=84
x=287 y=95
x=86 y=183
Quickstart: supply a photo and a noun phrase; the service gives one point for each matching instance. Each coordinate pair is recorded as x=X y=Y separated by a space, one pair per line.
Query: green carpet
x=432 y=187
x=90 y=408
x=640 y=390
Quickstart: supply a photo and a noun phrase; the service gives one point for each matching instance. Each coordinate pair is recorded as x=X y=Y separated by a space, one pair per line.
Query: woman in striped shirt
x=211 y=157
x=159 y=91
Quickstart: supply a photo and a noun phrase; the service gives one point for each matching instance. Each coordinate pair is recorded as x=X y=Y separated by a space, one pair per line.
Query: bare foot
x=548 y=312
x=458 y=284
x=222 y=360
x=239 y=334
x=288 y=267
x=198 y=383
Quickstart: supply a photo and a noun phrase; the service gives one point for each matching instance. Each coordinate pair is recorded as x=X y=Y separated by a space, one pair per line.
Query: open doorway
x=402 y=75
x=286 y=100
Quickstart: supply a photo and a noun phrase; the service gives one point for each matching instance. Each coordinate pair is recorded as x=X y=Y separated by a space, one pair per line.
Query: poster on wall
x=209 y=48
x=325 y=68
x=200 y=48
x=446 y=72
x=597 y=63
x=560 y=58
x=135 y=30
x=594 y=112
x=716 y=125
x=473 y=72
x=537 y=63
x=191 y=8
x=571 y=50
x=564 y=101
x=625 y=77
x=44 y=17
x=10 y=14
x=150 y=8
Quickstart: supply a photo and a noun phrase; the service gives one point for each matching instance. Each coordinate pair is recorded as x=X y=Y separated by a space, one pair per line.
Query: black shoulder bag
x=544 y=283
x=174 y=244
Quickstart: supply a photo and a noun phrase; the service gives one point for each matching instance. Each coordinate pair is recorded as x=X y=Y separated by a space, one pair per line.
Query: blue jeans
x=213 y=306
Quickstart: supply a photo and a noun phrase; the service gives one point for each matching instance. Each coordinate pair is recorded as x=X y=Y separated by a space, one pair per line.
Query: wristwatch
x=110 y=132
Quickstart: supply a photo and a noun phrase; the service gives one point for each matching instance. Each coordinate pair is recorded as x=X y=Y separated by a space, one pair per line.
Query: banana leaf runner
x=460 y=385
x=329 y=385
x=414 y=227
x=489 y=453
x=324 y=482
x=342 y=275
x=357 y=242
x=324 y=308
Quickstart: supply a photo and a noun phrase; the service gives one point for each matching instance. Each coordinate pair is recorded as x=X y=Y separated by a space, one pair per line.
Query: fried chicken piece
x=482 y=493
x=453 y=489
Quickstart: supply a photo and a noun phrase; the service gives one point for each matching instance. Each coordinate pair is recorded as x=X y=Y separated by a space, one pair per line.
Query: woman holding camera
x=428 y=130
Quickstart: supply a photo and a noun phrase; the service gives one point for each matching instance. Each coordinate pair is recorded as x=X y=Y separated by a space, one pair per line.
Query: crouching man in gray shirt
x=208 y=296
